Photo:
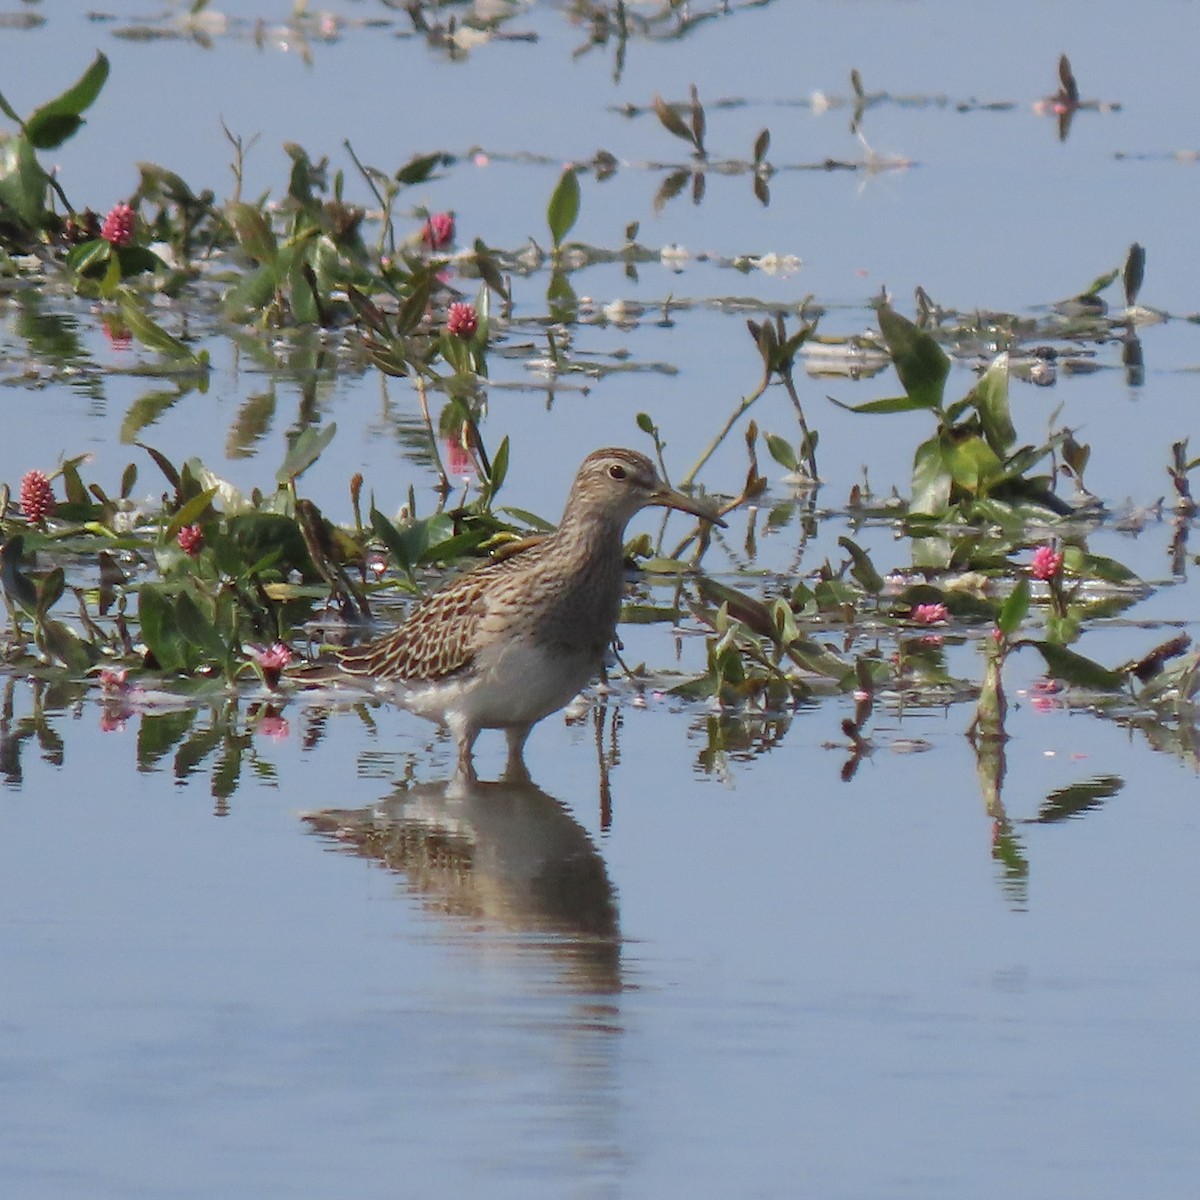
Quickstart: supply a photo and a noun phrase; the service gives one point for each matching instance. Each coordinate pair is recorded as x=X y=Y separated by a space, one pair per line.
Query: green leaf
x=989 y=397
x=51 y=124
x=972 y=463
x=304 y=451
x=22 y=181
x=893 y=404
x=563 y=209
x=420 y=168
x=1099 y=283
x=1013 y=610
x=251 y=294
x=499 y=466
x=1076 y=669
x=931 y=480
x=64 y=645
x=159 y=629
x=814 y=657
x=920 y=362
x=862 y=568
x=50 y=591
x=410 y=545
x=254 y=232
x=11 y=113
x=489 y=269
x=90 y=258
x=164 y=465
x=781 y=451
x=151 y=334
x=1097 y=566
x=196 y=627
x=190 y=513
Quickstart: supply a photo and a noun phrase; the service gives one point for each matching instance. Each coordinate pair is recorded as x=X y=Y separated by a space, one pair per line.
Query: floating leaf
x=1076 y=669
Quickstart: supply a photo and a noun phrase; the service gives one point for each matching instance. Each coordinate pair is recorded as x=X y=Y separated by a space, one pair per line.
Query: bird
x=515 y=639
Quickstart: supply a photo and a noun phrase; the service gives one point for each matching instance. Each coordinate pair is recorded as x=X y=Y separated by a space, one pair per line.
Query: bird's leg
x=465 y=735
x=515 y=770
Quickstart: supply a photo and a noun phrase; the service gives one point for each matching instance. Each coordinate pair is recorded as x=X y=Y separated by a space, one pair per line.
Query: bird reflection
x=504 y=854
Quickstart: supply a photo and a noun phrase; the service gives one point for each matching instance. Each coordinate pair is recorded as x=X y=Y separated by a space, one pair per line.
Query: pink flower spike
x=37 y=496
x=271 y=662
x=439 y=230
x=929 y=614
x=275 y=657
x=118 y=225
x=1047 y=563
x=191 y=540
x=461 y=321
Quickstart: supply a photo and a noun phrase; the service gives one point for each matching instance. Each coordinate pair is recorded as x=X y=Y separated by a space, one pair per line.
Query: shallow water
x=261 y=947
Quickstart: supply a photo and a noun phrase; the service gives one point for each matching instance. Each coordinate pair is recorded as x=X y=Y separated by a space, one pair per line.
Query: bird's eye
x=616 y=472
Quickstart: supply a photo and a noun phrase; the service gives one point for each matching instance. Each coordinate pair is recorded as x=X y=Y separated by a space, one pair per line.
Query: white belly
x=515 y=684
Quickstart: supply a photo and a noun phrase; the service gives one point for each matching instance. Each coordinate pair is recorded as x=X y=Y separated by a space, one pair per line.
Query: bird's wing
x=438 y=639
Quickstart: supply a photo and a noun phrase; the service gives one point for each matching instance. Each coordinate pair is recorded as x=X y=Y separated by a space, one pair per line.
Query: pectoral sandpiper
x=508 y=643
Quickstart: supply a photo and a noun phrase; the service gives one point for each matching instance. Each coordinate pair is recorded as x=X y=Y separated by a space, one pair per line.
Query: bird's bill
x=668 y=497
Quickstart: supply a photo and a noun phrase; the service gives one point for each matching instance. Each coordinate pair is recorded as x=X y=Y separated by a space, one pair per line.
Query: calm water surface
x=291 y=960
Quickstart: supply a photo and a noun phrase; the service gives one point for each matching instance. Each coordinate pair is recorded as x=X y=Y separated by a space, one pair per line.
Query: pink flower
x=1047 y=563
x=275 y=657
x=191 y=540
x=118 y=225
x=929 y=614
x=271 y=661
x=439 y=230
x=37 y=496
x=461 y=321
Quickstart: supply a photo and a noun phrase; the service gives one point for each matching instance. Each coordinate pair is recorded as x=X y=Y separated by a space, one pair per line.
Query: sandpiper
x=508 y=643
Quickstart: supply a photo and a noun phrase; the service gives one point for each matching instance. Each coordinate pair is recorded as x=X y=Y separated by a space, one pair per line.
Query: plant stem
x=443 y=482
x=810 y=461
x=735 y=416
